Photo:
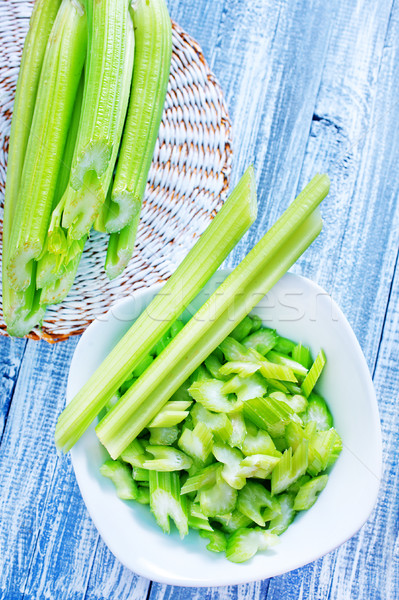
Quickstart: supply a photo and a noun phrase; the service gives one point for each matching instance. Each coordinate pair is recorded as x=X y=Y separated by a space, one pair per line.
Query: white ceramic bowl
x=298 y=309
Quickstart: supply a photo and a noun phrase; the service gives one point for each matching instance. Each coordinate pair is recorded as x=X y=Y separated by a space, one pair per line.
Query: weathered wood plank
x=11 y=355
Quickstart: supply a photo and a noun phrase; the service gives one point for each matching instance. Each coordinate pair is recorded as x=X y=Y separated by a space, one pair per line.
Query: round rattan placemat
x=187 y=182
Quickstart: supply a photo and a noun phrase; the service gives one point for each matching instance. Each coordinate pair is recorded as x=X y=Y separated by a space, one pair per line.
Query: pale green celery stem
x=232 y=301
x=40 y=25
x=50 y=266
x=30 y=312
x=229 y=225
x=106 y=94
x=62 y=67
x=153 y=50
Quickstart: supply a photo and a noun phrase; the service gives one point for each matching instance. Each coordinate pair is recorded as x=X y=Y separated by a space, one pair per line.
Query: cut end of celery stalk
x=82 y=206
x=94 y=158
x=124 y=207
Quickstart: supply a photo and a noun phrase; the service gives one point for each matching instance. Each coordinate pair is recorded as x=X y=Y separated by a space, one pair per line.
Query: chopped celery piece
x=140 y=474
x=163 y=436
x=166 y=501
x=297 y=402
x=283 y=359
x=230 y=522
x=262 y=340
x=258 y=443
x=121 y=476
x=209 y=393
x=284 y=345
x=335 y=451
x=318 y=411
x=302 y=355
x=196 y=518
x=135 y=454
x=258 y=465
x=166 y=458
x=269 y=414
x=206 y=477
x=213 y=365
x=295 y=434
x=309 y=491
x=242 y=368
x=323 y=446
x=281 y=522
x=173 y=413
x=217 y=540
x=243 y=329
x=314 y=374
x=262 y=267
x=246 y=388
x=218 y=499
x=239 y=432
x=244 y=543
x=197 y=443
x=273 y=371
x=289 y=468
x=231 y=222
x=143 y=495
x=231 y=459
x=218 y=423
x=252 y=499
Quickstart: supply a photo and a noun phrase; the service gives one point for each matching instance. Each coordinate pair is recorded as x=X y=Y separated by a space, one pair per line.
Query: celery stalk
x=19 y=305
x=232 y=221
x=62 y=67
x=105 y=99
x=153 y=49
x=239 y=293
x=51 y=265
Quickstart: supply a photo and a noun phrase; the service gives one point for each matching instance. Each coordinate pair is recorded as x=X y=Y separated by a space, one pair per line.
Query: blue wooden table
x=311 y=85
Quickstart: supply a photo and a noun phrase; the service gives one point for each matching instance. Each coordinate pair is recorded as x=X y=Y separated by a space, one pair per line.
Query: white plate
x=300 y=310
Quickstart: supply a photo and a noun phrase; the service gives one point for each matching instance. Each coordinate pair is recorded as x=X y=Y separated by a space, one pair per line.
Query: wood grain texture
x=310 y=85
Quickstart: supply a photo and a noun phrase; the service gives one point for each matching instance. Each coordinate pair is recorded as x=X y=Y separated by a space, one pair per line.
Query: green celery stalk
x=51 y=264
x=281 y=522
x=164 y=436
x=108 y=79
x=153 y=50
x=232 y=221
x=239 y=293
x=18 y=305
x=61 y=72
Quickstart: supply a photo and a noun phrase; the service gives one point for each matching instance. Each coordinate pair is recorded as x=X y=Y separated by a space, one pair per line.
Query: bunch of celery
x=239 y=449
x=88 y=107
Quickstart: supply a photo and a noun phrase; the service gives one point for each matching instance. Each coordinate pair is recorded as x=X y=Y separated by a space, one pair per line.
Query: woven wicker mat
x=187 y=183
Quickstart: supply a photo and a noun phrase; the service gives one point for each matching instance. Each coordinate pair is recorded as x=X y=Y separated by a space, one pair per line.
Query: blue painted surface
x=311 y=86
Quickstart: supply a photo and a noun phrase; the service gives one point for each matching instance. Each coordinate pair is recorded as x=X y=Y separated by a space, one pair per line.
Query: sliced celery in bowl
x=299 y=310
